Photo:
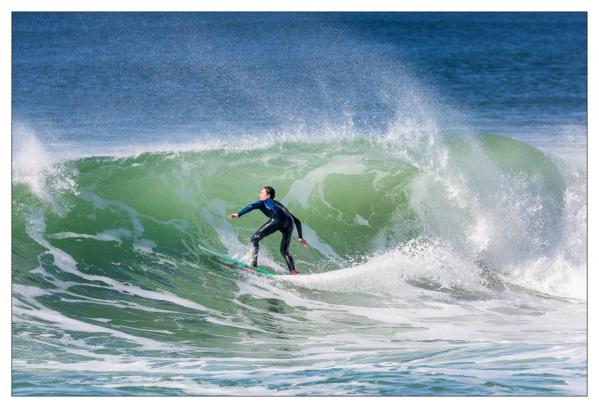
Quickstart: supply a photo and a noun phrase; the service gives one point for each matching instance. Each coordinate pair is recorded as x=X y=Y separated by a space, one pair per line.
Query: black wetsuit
x=282 y=220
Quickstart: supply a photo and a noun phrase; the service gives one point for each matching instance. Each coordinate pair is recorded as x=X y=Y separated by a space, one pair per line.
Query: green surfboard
x=236 y=262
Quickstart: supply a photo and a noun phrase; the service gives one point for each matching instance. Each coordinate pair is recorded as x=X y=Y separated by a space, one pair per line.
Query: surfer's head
x=266 y=193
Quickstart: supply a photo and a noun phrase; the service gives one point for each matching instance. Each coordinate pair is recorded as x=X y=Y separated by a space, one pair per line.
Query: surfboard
x=240 y=264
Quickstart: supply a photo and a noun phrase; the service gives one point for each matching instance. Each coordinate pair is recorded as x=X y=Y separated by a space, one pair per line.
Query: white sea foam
x=74 y=325
x=30 y=160
x=109 y=235
x=44 y=174
x=389 y=272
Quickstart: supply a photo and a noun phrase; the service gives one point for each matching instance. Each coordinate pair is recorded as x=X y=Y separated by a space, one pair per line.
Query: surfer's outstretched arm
x=246 y=210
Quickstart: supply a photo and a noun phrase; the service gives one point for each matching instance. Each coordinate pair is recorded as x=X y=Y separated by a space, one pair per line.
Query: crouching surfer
x=281 y=219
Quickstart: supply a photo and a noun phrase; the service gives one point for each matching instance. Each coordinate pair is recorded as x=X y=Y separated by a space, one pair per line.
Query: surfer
x=281 y=219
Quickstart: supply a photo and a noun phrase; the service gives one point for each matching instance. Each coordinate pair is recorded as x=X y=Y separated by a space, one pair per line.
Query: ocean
x=437 y=162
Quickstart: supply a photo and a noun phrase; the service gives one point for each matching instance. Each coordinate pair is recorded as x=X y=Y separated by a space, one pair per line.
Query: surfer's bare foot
x=293 y=272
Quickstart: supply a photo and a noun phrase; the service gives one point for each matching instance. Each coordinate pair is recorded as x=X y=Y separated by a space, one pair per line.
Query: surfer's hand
x=303 y=242
x=232 y=216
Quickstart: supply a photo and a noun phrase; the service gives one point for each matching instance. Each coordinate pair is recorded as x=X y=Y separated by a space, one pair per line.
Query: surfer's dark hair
x=270 y=191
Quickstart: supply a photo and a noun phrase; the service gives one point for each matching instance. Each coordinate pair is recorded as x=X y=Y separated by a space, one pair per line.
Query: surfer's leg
x=285 y=248
x=264 y=231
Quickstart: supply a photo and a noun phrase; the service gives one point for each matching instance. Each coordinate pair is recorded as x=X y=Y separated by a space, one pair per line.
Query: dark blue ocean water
x=132 y=77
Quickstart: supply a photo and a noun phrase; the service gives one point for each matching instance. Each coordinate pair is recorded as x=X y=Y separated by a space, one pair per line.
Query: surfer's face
x=263 y=195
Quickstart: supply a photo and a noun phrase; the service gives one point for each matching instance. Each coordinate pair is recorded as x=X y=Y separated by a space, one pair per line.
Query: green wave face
x=354 y=199
x=138 y=220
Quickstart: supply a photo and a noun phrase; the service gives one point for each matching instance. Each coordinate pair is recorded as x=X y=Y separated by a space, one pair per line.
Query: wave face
x=438 y=265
